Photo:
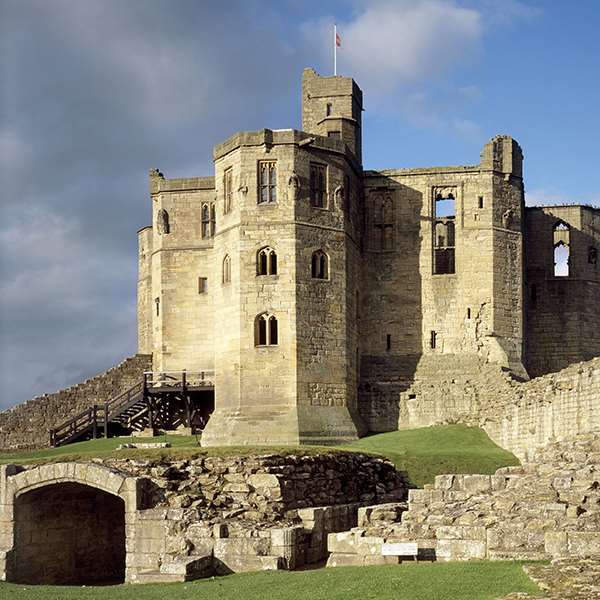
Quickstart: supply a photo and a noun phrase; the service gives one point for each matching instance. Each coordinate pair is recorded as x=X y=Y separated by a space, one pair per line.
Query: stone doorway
x=69 y=533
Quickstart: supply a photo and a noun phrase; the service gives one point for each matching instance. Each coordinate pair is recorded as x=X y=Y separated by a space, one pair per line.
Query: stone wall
x=549 y=508
x=190 y=518
x=519 y=416
x=26 y=425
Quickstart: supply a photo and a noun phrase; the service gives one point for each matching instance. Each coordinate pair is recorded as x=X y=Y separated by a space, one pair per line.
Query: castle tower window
x=267 y=182
x=227 y=269
x=157 y=303
x=318 y=186
x=433 y=339
x=444 y=233
x=227 y=190
x=328 y=109
x=266 y=262
x=320 y=265
x=212 y=220
x=561 y=239
x=337 y=135
x=480 y=202
x=202 y=285
x=162 y=222
x=388 y=342
x=265 y=330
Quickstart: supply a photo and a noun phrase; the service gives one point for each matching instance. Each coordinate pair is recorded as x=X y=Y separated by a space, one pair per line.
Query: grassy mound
x=409 y=581
x=430 y=451
x=423 y=453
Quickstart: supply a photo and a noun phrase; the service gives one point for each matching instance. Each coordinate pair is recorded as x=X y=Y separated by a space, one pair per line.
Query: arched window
x=266 y=262
x=265 y=330
x=561 y=237
x=227 y=269
x=320 y=265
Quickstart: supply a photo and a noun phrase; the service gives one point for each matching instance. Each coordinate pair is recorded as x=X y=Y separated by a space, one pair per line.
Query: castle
x=314 y=289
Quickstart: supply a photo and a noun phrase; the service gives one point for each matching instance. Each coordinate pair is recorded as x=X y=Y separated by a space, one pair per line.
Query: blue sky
x=94 y=93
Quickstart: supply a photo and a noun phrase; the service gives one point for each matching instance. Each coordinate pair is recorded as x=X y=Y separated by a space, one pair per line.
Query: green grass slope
x=409 y=581
x=423 y=453
x=430 y=451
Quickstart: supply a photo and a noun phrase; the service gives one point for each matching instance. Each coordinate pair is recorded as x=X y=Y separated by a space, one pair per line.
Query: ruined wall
x=562 y=312
x=26 y=425
x=544 y=509
x=517 y=416
x=189 y=518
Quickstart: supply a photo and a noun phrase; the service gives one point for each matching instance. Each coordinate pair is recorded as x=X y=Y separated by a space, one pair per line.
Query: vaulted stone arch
x=65 y=523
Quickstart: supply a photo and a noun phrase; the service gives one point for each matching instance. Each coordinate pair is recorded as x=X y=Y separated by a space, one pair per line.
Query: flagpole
x=335 y=49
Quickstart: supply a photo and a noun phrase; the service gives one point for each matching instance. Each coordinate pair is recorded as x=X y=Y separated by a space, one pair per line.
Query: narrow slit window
x=468 y=313
x=227 y=190
x=328 y=109
x=318 y=186
x=433 y=339
x=202 y=285
x=227 y=269
x=480 y=202
x=388 y=342
x=208 y=221
x=157 y=303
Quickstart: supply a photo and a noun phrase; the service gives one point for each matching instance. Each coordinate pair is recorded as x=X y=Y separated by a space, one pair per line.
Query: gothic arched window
x=227 y=269
x=265 y=330
x=266 y=261
x=561 y=238
x=320 y=265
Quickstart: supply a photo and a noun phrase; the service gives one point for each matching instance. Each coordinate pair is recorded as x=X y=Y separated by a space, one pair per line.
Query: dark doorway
x=69 y=533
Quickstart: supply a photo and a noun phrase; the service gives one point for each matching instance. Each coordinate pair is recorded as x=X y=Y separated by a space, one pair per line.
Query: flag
x=338 y=39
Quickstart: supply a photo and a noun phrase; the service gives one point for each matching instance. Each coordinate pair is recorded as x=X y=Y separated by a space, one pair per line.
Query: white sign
x=399 y=550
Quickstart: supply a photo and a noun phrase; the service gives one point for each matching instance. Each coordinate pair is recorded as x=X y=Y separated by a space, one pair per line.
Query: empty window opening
x=157 y=303
x=433 y=339
x=388 y=342
x=266 y=262
x=320 y=265
x=444 y=234
x=267 y=182
x=228 y=190
x=335 y=134
x=561 y=260
x=412 y=396
x=318 y=185
x=265 y=330
x=480 y=202
x=592 y=256
x=329 y=109
x=533 y=295
x=227 y=269
x=468 y=313
x=202 y=285
x=561 y=236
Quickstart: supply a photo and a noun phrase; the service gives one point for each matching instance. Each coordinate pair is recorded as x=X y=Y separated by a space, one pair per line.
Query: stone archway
x=69 y=533
x=65 y=523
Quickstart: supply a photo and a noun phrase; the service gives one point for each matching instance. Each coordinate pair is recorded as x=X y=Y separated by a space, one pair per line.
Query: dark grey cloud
x=93 y=95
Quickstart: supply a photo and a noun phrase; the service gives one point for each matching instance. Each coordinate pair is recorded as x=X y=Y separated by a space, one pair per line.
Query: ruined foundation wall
x=518 y=416
x=26 y=425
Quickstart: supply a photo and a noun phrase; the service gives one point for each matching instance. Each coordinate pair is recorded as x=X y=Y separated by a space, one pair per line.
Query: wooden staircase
x=165 y=399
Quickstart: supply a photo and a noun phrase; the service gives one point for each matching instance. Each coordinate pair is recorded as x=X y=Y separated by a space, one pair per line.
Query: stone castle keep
x=330 y=300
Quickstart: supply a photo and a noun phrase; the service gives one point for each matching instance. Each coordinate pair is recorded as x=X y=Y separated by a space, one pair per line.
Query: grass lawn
x=430 y=451
x=423 y=453
x=409 y=581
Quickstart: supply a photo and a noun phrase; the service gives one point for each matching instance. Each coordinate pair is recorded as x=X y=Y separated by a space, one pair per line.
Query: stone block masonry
x=26 y=425
x=547 y=508
x=158 y=520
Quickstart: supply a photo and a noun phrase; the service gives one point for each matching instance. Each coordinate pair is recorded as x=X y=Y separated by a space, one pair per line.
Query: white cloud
x=548 y=196
x=399 y=42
